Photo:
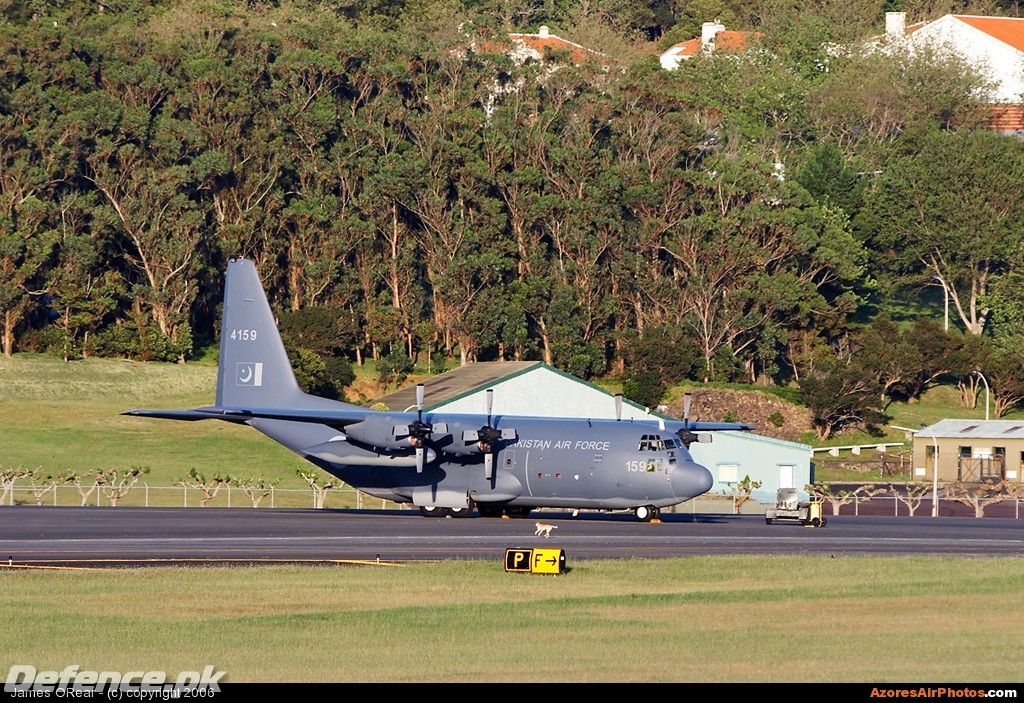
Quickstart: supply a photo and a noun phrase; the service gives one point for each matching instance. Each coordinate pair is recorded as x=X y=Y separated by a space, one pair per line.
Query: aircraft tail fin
x=253 y=370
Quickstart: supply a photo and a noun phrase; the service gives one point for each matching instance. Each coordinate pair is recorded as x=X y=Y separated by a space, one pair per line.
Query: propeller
x=419 y=432
x=488 y=436
x=686 y=434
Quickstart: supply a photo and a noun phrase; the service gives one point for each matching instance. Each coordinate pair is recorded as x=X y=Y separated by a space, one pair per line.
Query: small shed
x=774 y=463
x=535 y=388
x=970 y=451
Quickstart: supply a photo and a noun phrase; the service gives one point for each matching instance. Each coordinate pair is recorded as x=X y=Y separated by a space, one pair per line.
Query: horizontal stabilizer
x=337 y=418
x=189 y=415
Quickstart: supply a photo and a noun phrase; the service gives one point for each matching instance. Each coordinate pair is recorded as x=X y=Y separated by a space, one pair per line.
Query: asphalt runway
x=33 y=536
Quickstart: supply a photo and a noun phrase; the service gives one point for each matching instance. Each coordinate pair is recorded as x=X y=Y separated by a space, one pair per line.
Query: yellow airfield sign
x=535 y=561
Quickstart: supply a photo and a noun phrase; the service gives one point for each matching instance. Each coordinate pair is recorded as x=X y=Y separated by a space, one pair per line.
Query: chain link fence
x=145 y=495
x=346 y=497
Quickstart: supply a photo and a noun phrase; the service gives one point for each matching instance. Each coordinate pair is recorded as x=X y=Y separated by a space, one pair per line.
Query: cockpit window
x=654 y=443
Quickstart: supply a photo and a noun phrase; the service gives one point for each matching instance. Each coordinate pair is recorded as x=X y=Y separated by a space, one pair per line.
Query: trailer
x=789 y=507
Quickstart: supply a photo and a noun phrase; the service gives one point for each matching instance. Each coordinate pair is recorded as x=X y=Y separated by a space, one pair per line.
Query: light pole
x=985 y=381
x=935 y=472
x=945 y=294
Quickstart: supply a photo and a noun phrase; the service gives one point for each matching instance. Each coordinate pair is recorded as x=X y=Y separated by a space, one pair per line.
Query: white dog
x=544 y=530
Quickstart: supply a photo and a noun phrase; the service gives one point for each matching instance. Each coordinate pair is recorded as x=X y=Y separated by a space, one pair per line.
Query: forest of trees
x=795 y=216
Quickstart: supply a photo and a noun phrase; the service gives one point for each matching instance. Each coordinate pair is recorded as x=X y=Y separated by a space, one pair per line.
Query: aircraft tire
x=433 y=511
x=645 y=513
x=460 y=512
x=517 y=512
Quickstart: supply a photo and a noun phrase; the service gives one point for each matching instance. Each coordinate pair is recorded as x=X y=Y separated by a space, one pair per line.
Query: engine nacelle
x=382 y=434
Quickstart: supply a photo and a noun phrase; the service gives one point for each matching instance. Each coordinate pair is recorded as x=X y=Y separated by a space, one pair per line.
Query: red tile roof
x=728 y=40
x=544 y=42
x=1008 y=30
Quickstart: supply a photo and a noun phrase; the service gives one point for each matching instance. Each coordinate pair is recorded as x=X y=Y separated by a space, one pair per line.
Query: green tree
x=741 y=491
x=953 y=211
x=117 y=482
x=256 y=488
x=326 y=377
x=83 y=294
x=881 y=104
x=319 y=484
x=140 y=166
x=907 y=361
x=208 y=486
x=225 y=94
x=842 y=397
x=665 y=351
x=26 y=191
x=394 y=368
x=644 y=387
x=828 y=178
x=1006 y=376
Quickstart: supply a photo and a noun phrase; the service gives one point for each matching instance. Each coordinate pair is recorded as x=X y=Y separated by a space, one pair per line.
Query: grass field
x=706 y=619
x=67 y=417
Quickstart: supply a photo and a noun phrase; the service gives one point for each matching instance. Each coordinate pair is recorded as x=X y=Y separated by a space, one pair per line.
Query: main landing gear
x=434 y=511
x=484 y=510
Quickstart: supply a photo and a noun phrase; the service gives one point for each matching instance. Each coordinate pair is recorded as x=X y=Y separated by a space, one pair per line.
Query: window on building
x=727 y=473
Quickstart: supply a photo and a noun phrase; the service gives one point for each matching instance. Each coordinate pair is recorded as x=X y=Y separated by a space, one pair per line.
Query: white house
x=994 y=44
x=713 y=37
x=536 y=46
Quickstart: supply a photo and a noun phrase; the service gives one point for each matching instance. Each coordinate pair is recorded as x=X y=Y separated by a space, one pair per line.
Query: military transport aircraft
x=445 y=464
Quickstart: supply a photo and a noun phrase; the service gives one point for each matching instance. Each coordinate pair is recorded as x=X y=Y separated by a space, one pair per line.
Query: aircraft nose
x=690 y=480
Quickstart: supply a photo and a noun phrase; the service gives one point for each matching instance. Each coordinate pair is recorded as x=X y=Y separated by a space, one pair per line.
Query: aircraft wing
x=342 y=417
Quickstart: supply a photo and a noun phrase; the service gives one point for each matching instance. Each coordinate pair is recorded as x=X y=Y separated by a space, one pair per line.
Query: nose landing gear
x=646 y=513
